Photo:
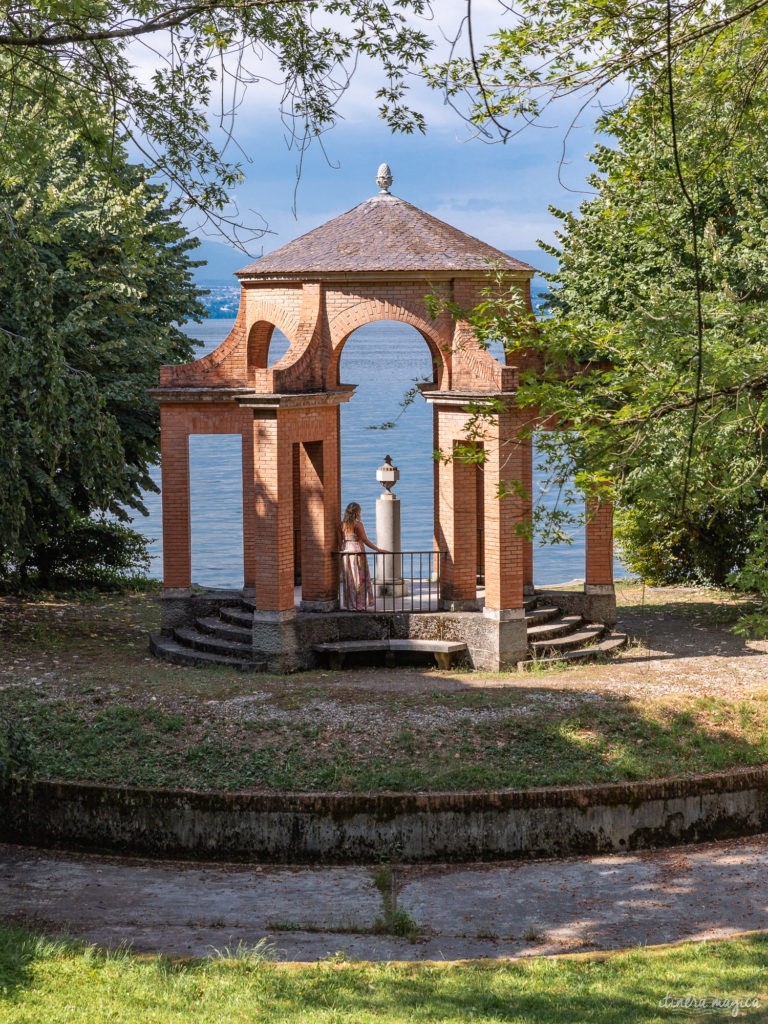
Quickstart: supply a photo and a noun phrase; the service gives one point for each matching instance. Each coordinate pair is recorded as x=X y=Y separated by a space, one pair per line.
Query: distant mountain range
x=221 y=262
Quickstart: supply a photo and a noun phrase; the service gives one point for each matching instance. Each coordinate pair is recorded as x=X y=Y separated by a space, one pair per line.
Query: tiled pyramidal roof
x=383 y=234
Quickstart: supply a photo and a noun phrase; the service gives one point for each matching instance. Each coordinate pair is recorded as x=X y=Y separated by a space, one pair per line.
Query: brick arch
x=372 y=310
x=259 y=338
x=275 y=315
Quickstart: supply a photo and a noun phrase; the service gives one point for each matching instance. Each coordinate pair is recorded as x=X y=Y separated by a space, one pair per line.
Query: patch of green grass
x=702 y=605
x=82 y=697
x=459 y=741
x=66 y=983
x=394 y=919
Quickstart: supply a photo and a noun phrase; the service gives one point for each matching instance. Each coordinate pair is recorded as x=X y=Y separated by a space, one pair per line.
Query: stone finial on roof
x=384 y=178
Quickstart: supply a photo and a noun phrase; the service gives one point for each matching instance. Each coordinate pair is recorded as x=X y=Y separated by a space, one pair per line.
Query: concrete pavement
x=491 y=910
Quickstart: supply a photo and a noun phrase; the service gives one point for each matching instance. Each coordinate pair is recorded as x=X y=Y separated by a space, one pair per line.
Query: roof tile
x=384 y=233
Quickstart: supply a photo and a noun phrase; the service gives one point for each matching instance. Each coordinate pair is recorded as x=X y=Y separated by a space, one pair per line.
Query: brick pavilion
x=378 y=261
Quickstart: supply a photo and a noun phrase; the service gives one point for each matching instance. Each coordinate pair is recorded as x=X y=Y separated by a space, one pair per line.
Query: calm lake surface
x=383 y=360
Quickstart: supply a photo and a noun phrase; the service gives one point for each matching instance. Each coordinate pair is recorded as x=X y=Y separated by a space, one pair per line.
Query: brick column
x=318 y=529
x=599 y=543
x=526 y=479
x=249 y=507
x=177 y=545
x=600 y=597
x=455 y=515
x=504 y=556
x=273 y=514
x=464 y=532
x=504 y=559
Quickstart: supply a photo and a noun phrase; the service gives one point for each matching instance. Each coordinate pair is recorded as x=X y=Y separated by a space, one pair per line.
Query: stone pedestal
x=388 y=575
x=275 y=637
x=600 y=603
x=175 y=609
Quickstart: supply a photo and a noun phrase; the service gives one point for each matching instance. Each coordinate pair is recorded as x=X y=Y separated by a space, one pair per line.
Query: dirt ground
x=687 y=695
x=680 y=640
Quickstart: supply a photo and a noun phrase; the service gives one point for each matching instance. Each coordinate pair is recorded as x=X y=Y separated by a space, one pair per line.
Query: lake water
x=383 y=360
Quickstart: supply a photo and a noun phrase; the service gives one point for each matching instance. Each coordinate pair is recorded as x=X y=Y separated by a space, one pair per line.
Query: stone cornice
x=248 y=398
x=426 y=277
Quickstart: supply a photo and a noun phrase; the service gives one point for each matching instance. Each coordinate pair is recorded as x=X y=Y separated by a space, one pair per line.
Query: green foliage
x=89 y=553
x=653 y=355
x=204 y=56
x=707 y=547
x=95 y=277
x=752 y=578
x=546 y=51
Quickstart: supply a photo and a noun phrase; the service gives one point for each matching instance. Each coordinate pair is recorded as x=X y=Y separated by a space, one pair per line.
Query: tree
x=95 y=271
x=91 y=52
x=95 y=277
x=549 y=50
x=660 y=300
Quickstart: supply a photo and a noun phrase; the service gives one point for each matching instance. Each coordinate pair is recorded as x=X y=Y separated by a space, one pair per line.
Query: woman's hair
x=351 y=514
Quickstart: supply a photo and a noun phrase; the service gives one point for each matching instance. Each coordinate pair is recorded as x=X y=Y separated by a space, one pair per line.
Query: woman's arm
x=360 y=531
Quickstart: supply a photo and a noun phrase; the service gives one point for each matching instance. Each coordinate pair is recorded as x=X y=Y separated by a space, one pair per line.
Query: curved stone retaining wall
x=411 y=827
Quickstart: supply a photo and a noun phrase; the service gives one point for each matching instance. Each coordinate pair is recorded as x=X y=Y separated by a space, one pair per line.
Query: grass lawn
x=85 y=700
x=60 y=983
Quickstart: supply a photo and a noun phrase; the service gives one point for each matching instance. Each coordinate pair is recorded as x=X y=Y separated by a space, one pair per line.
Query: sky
x=497 y=192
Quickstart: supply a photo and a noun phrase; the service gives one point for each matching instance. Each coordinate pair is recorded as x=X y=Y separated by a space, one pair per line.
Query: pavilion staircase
x=225 y=639
x=554 y=637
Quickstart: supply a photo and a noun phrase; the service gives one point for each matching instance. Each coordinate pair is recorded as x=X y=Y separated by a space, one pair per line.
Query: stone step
x=612 y=643
x=169 y=649
x=586 y=635
x=529 y=603
x=554 y=628
x=224 y=630
x=188 y=636
x=236 y=616
x=544 y=614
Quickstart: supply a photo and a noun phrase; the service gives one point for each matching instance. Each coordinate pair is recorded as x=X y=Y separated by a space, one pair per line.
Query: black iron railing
x=399 y=581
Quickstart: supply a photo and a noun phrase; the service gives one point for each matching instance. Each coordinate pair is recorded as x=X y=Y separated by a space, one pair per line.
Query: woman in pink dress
x=356 y=587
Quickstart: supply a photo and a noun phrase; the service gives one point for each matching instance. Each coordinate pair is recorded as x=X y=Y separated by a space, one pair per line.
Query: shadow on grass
x=684 y=626
x=20 y=950
x=336 y=741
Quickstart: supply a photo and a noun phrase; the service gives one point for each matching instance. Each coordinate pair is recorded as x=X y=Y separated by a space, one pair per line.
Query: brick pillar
x=249 y=507
x=464 y=532
x=503 y=546
x=318 y=530
x=526 y=479
x=455 y=516
x=273 y=511
x=600 y=597
x=480 y=512
x=177 y=545
x=599 y=543
x=504 y=559
x=298 y=525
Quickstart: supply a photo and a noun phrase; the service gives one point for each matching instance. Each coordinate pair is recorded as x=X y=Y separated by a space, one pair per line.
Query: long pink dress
x=356 y=586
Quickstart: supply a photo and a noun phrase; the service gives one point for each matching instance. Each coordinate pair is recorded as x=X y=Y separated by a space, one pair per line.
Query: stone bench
x=443 y=650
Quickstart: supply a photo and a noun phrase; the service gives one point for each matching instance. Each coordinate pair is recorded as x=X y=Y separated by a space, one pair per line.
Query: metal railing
x=399 y=581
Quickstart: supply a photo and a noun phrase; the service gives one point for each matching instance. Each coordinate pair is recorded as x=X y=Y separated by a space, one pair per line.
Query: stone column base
x=175 y=609
x=275 y=637
x=497 y=639
x=600 y=603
